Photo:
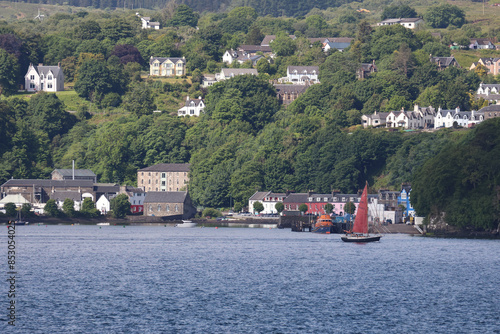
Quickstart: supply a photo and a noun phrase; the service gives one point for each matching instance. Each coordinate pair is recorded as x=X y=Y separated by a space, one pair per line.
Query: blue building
x=404 y=199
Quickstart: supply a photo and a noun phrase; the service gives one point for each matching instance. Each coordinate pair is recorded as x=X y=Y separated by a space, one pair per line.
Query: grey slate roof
x=269 y=38
x=254 y=48
x=258 y=196
x=78 y=172
x=339 y=45
x=291 y=89
x=163 y=59
x=303 y=69
x=493 y=107
x=62 y=195
x=45 y=70
x=239 y=71
x=167 y=168
x=296 y=198
x=165 y=197
x=48 y=183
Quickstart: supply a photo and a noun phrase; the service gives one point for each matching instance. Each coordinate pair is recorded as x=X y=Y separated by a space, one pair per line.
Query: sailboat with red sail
x=359 y=231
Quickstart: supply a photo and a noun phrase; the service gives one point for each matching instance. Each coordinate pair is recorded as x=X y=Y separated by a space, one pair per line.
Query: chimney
x=415 y=108
x=40 y=64
x=187 y=98
x=59 y=64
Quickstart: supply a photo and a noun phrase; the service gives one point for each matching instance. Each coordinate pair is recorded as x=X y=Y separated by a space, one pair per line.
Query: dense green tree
x=328 y=208
x=244 y=98
x=184 y=16
x=140 y=100
x=349 y=208
x=120 y=206
x=26 y=210
x=8 y=73
x=69 y=207
x=211 y=212
x=93 y=80
x=258 y=207
x=444 y=15
x=279 y=207
x=10 y=209
x=283 y=45
x=48 y=114
x=50 y=209
x=303 y=208
x=89 y=29
x=398 y=11
x=88 y=208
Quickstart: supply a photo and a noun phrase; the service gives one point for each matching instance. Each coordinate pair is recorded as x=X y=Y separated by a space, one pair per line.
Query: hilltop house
x=228 y=73
x=163 y=177
x=375 y=120
x=446 y=118
x=492 y=64
x=192 y=107
x=489 y=92
x=339 y=43
x=444 y=62
x=148 y=24
x=365 y=69
x=176 y=204
x=481 y=43
x=286 y=94
x=167 y=67
x=240 y=56
x=301 y=75
x=410 y=23
x=44 y=78
x=418 y=118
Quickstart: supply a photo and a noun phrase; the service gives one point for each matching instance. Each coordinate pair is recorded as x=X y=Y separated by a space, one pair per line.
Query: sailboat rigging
x=359 y=231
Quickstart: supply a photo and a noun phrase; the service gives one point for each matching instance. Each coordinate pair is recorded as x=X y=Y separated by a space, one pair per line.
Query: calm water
x=86 y=279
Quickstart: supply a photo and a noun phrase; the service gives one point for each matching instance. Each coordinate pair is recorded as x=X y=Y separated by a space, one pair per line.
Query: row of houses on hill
x=393 y=205
x=429 y=118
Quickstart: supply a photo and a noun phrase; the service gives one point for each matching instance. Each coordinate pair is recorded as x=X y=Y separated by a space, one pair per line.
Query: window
x=150 y=207
x=318 y=199
x=191 y=112
x=162 y=175
x=159 y=207
x=49 y=77
x=32 y=85
x=176 y=208
x=167 y=208
x=49 y=85
x=32 y=77
x=310 y=199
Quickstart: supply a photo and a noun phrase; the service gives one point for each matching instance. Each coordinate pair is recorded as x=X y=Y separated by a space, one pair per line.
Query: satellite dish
x=39 y=16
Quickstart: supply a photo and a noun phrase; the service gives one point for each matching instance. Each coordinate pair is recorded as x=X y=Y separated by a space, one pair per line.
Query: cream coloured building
x=164 y=177
x=167 y=67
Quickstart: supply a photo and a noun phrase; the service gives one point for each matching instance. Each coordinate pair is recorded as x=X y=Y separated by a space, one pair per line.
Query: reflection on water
x=87 y=279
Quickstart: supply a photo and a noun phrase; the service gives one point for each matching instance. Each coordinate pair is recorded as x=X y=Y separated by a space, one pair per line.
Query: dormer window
x=310 y=199
x=49 y=77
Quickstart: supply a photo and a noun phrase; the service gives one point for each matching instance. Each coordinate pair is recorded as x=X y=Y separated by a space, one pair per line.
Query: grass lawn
x=71 y=99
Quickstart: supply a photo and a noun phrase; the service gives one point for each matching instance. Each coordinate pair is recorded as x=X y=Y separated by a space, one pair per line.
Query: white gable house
x=44 y=78
x=302 y=74
x=192 y=107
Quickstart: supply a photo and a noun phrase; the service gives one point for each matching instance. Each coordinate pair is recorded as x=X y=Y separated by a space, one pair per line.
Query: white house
x=268 y=200
x=44 y=78
x=148 y=24
x=481 y=43
x=301 y=74
x=418 y=118
x=228 y=73
x=167 y=67
x=103 y=204
x=410 y=23
x=375 y=120
x=192 y=107
x=240 y=56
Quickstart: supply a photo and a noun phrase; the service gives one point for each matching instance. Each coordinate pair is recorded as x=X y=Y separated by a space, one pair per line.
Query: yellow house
x=167 y=67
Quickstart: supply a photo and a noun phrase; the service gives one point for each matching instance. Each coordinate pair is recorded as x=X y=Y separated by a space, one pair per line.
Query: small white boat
x=102 y=224
x=186 y=223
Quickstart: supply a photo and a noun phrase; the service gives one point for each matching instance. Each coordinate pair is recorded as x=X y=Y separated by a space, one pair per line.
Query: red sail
x=361 y=220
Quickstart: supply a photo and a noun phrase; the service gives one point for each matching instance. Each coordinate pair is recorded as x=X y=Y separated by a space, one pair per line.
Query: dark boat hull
x=361 y=238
